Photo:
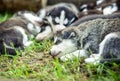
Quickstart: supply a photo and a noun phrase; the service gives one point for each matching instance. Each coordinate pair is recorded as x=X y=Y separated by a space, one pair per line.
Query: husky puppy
x=68 y=8
x=62 y=15
x=84 y=40
x=16 y=32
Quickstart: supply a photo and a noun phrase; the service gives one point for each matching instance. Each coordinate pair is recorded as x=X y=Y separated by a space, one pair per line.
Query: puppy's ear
x=72 y=34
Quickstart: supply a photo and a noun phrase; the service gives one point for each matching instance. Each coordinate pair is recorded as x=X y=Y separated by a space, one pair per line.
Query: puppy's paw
x=93 y=59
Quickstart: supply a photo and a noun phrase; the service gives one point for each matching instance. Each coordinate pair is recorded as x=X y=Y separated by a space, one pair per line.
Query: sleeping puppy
x=16 y=32
x=62 y=14
x=68 y=10
x=84 y=40
x=32 y=28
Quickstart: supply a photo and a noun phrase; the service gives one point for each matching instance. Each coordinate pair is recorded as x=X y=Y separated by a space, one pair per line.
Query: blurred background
x=34 y=5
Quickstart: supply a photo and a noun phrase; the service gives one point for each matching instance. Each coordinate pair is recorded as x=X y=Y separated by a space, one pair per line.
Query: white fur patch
x=25 y=37
x=57 y=20
x=31 y=17
x=42 y=13
x=65 y=21
x=107 y=37
x=30 y=26
x=77 y=54
x=45 y=34
x=110 y=9
x=33 y=29
x=94 y=59
x=100 y=9
x=72 y=20
x=61 y=20
x=28 y=43
x=99 y=1
x=59 y=27
x=84 y=6
x=62 y=17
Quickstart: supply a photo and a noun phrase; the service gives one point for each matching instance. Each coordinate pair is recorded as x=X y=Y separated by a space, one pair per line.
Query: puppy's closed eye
x=69 y=35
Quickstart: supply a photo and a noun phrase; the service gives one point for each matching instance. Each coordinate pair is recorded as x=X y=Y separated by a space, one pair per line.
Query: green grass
x=36 y=64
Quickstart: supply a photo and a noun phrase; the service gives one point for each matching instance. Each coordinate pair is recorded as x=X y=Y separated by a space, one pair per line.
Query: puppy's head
x=65 y=42
x=62 y=15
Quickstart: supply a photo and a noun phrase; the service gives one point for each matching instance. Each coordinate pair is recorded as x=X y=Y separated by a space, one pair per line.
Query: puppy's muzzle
x=56 y=51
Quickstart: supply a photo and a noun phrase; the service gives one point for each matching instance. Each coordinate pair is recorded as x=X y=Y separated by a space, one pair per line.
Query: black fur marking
x=56 y=12
x=10 y=41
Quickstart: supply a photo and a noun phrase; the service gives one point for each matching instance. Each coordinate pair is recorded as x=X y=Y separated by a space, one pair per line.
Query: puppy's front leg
x=75 y=54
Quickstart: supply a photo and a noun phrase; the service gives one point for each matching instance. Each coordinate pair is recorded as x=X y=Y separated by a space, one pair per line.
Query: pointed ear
x=73 y=34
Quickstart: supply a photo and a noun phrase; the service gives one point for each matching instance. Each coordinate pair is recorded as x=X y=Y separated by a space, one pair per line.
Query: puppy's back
x=92 y=17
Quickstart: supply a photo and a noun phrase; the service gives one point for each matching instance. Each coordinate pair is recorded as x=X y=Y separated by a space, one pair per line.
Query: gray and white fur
x=95 y=16
x=85 y=39
x=16 y=32
x=57 y=17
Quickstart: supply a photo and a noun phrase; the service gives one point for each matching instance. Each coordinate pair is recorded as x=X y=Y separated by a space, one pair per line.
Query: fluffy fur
x=85 y=39
x=62 y=14
x=92 y=17
x=15 y=34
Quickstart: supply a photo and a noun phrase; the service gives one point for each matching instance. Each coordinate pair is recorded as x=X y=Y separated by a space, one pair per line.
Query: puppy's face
x=65 y=42
x=63 y=16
